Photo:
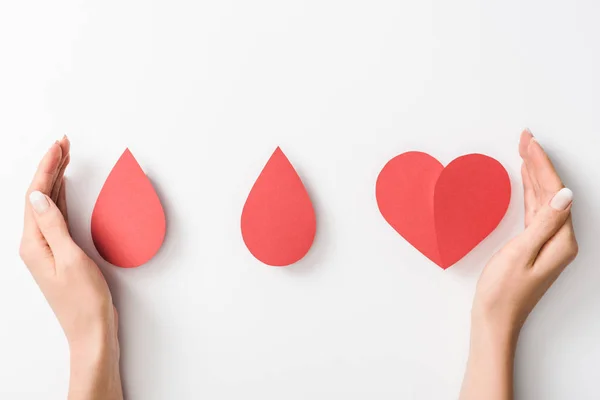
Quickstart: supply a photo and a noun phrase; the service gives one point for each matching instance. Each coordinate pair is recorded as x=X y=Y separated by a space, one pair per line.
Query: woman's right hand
x=71 y=282
x=518 y=275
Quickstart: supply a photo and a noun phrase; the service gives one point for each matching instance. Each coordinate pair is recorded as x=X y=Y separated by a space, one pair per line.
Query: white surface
x=202 y=93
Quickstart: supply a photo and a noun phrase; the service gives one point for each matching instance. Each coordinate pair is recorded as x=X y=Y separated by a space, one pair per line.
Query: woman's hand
x=71 y=282
x=518 y=276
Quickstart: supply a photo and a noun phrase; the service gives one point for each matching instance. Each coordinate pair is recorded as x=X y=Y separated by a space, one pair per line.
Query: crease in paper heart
x=443 y=212
x=128 y=221
x=278 y=220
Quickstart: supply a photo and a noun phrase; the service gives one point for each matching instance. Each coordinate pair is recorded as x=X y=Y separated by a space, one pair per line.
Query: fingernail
x=562 y=199
x=39 y=202
x=533 y=142
x=528 y=131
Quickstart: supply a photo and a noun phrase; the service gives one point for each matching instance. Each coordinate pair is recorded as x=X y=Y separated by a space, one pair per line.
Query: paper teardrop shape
x=128 y=221
x=278 y=219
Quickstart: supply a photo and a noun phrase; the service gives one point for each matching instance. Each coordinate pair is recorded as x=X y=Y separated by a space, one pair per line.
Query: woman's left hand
x=71 y=282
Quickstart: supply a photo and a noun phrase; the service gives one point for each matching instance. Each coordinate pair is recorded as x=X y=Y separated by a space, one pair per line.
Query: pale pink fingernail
x=534 y=142
x=562 y=199
x=39 y=202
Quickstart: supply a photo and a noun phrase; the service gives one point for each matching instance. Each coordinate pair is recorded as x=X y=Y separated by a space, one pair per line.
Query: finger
x=548 y=220
x=558 y=252
x=526 y=138
x=62 y=200
x=51 y=223
x=540 y=165
x=42 y=181
x=531 y=203
x=59 y=178
x=65 y=146
x=45 y=175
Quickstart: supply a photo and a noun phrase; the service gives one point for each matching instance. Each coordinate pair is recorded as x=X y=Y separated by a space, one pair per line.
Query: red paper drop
x=278 y=220
x=443 y=212
x=128 y=221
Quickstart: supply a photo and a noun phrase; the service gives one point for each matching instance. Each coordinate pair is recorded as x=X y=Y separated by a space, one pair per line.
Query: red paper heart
x=128 y=221
x=443 y=212
x=278 y=220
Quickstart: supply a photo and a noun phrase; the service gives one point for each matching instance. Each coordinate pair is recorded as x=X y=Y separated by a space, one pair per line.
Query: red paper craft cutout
x=443 y=212
x=278 y=220
x=128 y=221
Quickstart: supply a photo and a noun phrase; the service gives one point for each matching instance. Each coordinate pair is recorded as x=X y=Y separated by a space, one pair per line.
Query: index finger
x=43 y=181
x=540 y=165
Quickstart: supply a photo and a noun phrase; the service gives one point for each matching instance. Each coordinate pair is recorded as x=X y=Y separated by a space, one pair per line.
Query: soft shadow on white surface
x=322 y=245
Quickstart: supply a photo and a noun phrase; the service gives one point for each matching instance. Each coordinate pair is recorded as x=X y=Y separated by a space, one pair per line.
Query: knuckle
x=572 y=248
x=26 y=250
x=74 y=257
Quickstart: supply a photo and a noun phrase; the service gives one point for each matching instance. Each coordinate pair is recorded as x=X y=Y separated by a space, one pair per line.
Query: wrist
x=94 y=372
x=491 y=358
x=496 y=319
x=89 y=354
x=498 y=334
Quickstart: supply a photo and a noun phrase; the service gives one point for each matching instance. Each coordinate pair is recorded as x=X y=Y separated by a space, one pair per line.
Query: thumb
x=548 y=220
x=50 y=221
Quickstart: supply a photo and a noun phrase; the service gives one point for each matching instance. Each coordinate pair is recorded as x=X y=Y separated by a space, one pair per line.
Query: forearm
x=95 y=371
x=491 y=361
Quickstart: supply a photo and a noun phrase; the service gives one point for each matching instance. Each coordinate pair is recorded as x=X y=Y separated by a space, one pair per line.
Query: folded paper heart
x=443 y=212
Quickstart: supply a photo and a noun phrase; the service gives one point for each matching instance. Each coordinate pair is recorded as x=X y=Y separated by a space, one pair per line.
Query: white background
x=202 y=92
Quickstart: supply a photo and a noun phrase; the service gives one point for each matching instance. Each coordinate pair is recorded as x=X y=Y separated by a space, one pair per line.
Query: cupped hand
x=517 y=277
x=71 y=282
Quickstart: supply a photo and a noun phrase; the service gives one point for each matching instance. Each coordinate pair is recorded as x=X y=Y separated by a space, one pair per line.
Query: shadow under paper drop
x=170 y=244
x=321 y=243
